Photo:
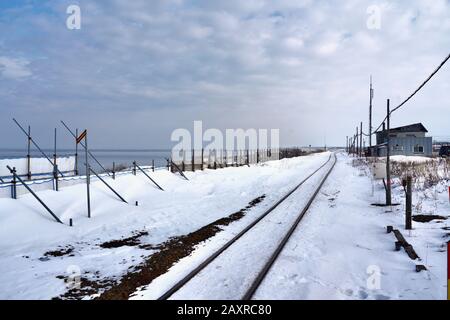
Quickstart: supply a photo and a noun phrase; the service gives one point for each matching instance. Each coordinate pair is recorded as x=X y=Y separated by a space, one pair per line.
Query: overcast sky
x=137 y=70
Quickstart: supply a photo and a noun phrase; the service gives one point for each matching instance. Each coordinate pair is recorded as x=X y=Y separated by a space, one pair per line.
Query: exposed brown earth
x=154 y=265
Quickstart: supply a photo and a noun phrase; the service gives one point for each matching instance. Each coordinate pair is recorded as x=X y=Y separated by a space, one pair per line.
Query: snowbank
x=410 y=159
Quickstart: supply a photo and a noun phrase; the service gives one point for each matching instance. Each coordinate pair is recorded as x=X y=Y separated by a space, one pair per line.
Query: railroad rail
x=267 y=266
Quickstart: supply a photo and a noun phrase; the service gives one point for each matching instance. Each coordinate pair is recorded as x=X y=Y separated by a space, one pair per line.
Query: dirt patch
x=59 y=252
x=155 y=265
x=427 y=217
x=130 y=241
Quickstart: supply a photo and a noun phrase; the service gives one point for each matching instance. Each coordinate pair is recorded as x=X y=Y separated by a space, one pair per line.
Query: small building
x=408 y=140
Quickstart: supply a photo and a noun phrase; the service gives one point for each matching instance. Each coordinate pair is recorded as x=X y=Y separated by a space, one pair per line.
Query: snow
x=337 y=251
x=411 y=159
x=342 y=242
x=27 y=230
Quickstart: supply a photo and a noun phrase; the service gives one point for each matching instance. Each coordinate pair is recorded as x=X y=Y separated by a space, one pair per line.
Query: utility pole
x=370 y=113
x=360 y=141
x=388 y=164
x=88 y=175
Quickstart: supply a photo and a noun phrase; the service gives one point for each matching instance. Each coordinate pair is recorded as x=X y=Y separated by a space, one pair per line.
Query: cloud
x=14 y=68
x=147 y=67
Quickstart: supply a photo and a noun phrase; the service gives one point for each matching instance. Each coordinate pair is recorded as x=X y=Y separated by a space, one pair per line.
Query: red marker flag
x=81 y=136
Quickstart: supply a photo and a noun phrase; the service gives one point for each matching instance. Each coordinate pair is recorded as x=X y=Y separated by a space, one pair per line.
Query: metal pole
x=55 y=165
x=88 y=175
x=35 y=144
x=370 y=113
x=360 y=140
x=28 y=154
x=95 y=159
x=14 y=182
x=55 y=177
x=54 y=150
x=76 y=153
x=203 y=150
x=388 y=152
x=140 y=169
x=100 y=178
x=114 y=171
x=13 y=171
x=357 y=141
x=346 y=144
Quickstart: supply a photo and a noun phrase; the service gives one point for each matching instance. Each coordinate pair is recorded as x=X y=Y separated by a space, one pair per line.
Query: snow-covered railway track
x=250 y=288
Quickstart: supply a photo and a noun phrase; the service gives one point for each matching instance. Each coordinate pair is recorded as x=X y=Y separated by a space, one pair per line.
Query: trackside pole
x=88 y=174
x=35 y=144
x=13 y=171
x=28 y=154
x=115 y=192
x=140 y=169
x=177 y=168
x=95 y=159
x=76 y=153
x=388 y=164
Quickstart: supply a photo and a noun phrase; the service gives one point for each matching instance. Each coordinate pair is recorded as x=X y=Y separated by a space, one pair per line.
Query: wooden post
x=153 y=165
x=388 y=164
x=193 y=160
x=357 y=142
x=408 y=216
x=134 y=168
x=257 y=155
x=28 y=154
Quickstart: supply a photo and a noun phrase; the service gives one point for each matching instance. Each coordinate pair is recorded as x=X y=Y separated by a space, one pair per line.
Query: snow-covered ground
x=340 y=250
x=27 y=231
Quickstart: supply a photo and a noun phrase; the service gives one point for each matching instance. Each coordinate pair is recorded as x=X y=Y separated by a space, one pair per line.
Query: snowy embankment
x=27 y=231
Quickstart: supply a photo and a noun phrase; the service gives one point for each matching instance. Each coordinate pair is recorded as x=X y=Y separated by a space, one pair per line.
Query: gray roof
x=416 y=127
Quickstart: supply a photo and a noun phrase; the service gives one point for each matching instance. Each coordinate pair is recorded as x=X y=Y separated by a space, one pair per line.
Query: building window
x=418 y=148
x=397 y=147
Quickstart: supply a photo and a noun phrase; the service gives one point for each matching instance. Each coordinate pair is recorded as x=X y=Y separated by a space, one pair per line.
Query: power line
x=415 y=91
